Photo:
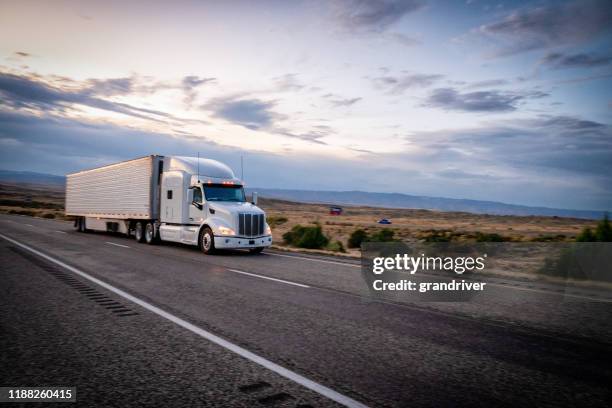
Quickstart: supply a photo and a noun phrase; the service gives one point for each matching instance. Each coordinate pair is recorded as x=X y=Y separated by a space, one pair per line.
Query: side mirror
x=196 y=204
x=254 y=198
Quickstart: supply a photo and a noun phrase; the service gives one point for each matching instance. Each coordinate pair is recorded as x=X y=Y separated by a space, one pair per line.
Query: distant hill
x=386 y=200
x=398 y=200
x=30 y=177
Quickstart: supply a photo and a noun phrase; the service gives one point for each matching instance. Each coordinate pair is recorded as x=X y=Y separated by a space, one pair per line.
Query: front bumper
x=224 y=242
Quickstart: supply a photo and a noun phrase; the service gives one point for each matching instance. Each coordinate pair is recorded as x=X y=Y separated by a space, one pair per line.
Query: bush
x=336 y=246
x=306 y=237
x=489 y=237
x=357 y=237
x=384 y=235
x=273 y=221
x=437 y=236
x=586 y=236
x=603 y=232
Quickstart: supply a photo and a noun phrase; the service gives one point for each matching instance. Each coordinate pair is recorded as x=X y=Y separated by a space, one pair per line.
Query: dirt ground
x=412 y=225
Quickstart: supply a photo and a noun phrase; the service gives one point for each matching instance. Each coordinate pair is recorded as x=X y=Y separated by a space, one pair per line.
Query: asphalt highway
x=164 y=325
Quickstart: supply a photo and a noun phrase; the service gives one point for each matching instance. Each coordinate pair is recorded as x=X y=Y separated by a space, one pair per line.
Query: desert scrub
x=384 y=235
x=602 y=233
x=490 y=237
x=335 y=246
x=310 y=237
x=357 y=237
x=275 y=220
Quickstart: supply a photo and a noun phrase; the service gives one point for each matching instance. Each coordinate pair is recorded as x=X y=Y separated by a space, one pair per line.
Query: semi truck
x=195 y=201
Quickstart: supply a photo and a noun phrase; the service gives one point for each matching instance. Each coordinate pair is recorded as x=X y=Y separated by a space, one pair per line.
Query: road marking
x=255 y=358
x=316 y=260
x=29 y=225
x=119 y=245
x=60 y=232
x=269 y=278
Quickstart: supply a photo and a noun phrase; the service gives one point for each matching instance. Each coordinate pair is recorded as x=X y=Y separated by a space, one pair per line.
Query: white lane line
x=269 y=278
x=29 y=225
x=315 y=260
x=60 y=232
x=282 y=371
x=119 y=245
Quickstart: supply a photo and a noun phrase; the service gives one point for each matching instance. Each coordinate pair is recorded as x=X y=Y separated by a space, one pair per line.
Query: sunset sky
x=507 y=100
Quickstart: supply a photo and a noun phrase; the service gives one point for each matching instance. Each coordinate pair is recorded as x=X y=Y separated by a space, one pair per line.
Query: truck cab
x=202 y=203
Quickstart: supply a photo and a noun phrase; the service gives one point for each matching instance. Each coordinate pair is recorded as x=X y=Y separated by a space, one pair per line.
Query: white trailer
x=169 y=198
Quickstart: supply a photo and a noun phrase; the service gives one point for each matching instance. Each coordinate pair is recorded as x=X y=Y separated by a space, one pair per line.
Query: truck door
x=196 y=207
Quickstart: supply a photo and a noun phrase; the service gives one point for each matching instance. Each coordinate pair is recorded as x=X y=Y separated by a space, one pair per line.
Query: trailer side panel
x=126 y=190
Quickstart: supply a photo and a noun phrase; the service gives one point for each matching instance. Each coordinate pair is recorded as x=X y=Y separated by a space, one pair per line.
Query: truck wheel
x=256 y=250
x=149 y=234
x=207 y=241
x=81 y=225
x=139 y=232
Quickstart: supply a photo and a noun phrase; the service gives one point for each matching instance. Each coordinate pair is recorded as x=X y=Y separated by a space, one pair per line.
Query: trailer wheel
x=139 y=232
x=207 y=241
x=149 y=234
x=80 y=224
x=256 y=250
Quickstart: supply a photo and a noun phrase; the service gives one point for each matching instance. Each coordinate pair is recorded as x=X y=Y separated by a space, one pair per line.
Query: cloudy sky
x=506 y=100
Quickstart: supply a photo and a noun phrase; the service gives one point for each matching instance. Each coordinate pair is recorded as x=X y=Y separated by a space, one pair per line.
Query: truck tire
x=81 y=226
x=149 y=234
x=256 y=250
x=139 y=232
x=207 y=241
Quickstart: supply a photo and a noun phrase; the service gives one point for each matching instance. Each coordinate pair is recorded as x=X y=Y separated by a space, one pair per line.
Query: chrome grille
x=250 y=225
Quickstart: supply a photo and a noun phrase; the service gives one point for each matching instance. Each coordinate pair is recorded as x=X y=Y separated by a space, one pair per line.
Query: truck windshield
x=220 y=192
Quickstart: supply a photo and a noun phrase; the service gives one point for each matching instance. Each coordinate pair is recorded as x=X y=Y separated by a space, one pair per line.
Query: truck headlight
x=226 y=231
x=268 y=230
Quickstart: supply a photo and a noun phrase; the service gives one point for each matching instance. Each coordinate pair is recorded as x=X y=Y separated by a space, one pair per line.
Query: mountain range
x=348 y=198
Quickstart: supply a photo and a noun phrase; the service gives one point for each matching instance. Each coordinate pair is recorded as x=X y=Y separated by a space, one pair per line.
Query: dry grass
x=412 y=225
x=32 y=199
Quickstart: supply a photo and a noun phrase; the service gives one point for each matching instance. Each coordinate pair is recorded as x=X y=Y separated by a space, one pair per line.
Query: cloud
x=554 y=161
x=257 y=114
x=554 y=25
x=398 y=84
x=23 y=91
x=569 y=123
x=287 y=82
x=488 y=83
x=373 y=15
x=558 y=60
x=192 y=81
x=110 y=87
x=251 y=113
x=481 y=101
x=190 y=84
x=406 y=40
x=345 y=102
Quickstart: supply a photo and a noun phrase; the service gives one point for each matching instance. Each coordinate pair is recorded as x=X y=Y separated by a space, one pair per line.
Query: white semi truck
x=189 y=200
